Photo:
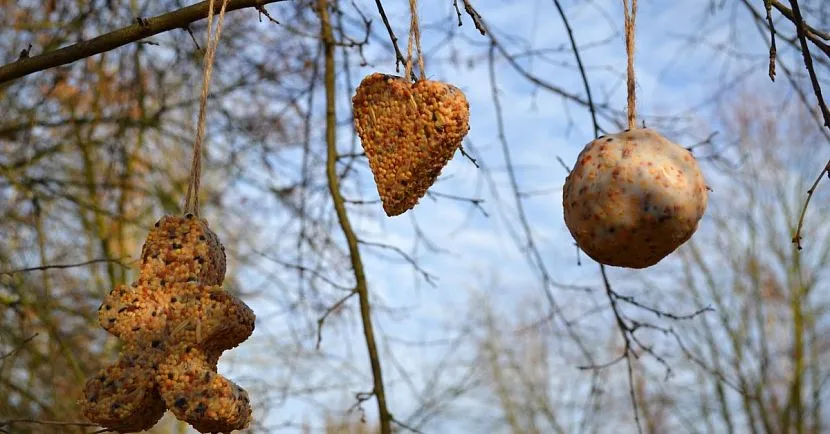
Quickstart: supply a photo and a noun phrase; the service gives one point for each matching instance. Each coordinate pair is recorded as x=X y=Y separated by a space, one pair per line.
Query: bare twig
x=474 y=15
x=322 y=319
x=797 y=237
x=24 y=53
x=180 y=18
x=582 y=72
x=603 y=110
x=406 y=427
x=473 y=201
x=429 y=278
x=361 y=286
x=9 y=422
x=262 y=11
x=601 y=366
x=469 y=157
x=529 y=247
x=360 y=398
x=399 y=58
x=457 y=12
x=808 y=61
x=625 y=331
x=193 y=38
x=634 y=405
x=563 y=164
x=790 y=15
x=22 y=344
x=61 y=266
x=772 y=49
x=660 y=313
x=628 y=328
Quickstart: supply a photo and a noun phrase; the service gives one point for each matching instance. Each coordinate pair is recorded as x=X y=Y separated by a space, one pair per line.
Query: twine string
x=191 y=204
x=414 y=36
x=630 y=19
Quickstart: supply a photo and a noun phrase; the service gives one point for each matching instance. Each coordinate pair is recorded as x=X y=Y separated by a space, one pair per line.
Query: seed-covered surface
x=175 y=321
x=409 y=132
x=633 y=198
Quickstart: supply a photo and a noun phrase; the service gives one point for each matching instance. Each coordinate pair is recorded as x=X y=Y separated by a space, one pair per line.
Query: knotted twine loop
x=630 y=18
x=191 y=202
x=414 y=35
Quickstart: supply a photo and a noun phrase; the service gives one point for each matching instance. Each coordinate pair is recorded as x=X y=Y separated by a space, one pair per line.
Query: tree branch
x=361 y=287
x=178 y=19
x=801 y=29
x=25 y=341
x=800 y=226
x=61 y=266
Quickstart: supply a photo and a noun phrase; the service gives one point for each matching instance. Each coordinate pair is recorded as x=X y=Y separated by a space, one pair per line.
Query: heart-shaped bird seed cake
x=409 y=132
x=633 y=198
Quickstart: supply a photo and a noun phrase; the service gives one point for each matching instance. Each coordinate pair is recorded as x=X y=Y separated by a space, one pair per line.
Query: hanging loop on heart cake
x=633 y=197
x=409 y=130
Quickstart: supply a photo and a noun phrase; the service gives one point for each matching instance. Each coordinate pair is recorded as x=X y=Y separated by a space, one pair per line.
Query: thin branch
x=429 y=278
x=476 y=202
x=322 y=319
x=457 y=12
x=528 y=243
x=61 y=266
x=193 y=38
x=625 y=331
x=399 y=59
x=662 y=314
x=582 y=72
x=563 y=164
x=361 y=287
x=177 y=19
x=474 y=15
x=772 y=49
x=262 y=11
x=315 y=273
x=790 y=15
x=808 y=61
x=406 y=427
x=717 y=373
x=607 y=112
x=601 y=366
x=634 y=405
x=22 y=344
x=797 y=236
x=10 y=422
x=469 y=157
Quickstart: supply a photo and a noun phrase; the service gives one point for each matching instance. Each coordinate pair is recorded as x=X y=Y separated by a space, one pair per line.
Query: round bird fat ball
x=633 y=198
